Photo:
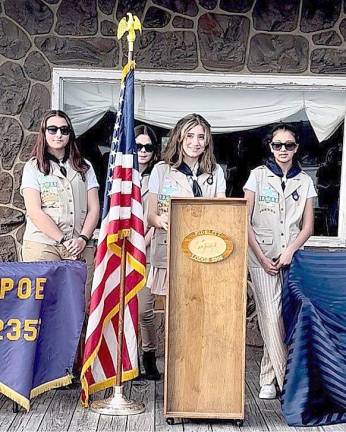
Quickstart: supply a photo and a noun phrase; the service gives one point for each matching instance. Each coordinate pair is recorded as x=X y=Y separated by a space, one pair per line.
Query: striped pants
x=267 y=294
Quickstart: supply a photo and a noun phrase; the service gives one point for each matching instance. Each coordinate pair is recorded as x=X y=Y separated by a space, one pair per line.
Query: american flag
x=122 y=217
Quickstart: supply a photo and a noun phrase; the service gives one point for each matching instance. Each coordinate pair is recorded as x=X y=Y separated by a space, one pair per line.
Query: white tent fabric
x=227 y=109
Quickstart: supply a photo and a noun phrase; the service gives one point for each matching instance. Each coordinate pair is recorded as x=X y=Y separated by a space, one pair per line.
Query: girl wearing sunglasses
x=148 y=151
x=60 y=192
x=280 y=200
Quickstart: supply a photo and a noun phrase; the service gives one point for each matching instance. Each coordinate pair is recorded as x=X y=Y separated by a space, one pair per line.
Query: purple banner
x=41 y=317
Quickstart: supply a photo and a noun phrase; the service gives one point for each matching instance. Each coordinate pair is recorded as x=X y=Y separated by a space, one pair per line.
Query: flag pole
x=118 y=404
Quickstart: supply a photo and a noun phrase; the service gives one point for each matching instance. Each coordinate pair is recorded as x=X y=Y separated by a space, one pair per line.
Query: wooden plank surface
x=59 y=410
x=206 y=315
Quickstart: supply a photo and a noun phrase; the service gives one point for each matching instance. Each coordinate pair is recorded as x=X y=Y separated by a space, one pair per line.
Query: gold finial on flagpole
x=118 y=404
x=129 y=25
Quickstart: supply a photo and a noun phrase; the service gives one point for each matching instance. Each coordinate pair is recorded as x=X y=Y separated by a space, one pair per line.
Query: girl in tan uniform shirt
x=280 y=199
x=189 y=169
x=148 y=154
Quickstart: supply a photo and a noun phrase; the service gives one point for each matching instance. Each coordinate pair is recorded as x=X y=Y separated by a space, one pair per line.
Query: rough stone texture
x=222 y=40
x=34 y=15
x=13 y=89
x=236 y=5
x=208 y=4
x=156 y=17
x=8 y=250
x=328 y=61
x=180 y=22
x=327 y=38
x=10 y=219
x=20 y=234
x=278 y=54
x=180 y=6
x=108 y=28
x=35 y=107
x=14 y=43
x=27 y=147
x=77 y=18
x=18 y=200
x=6 y=186
x=106 y=6
x=276 y=15
x=342 y=28
x=319 y=14
x=37 y=67
x=10 y=141
x=52 y=1
x=89 y=51
x=167 y=50
x=136 y=7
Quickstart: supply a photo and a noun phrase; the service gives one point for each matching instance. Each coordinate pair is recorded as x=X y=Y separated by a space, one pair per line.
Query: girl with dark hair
x=148 y=151
x=189 y=170
x=280 y=200
x=60 y=192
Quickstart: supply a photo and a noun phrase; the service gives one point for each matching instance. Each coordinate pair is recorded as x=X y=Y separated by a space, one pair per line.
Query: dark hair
x=286 y=127
x=173 y=154
x=40 y=151
x=147 y=130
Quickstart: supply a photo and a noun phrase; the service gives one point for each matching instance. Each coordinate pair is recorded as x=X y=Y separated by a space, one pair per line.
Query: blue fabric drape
x=314 y=313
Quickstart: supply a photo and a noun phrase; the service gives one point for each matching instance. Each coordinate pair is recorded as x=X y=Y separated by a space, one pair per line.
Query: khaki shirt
x=173 y=183
x=64 y=199
x=277 y=214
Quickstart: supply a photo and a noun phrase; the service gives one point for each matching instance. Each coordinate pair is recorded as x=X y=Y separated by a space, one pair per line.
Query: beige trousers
x=267 y=294
x=35 y=251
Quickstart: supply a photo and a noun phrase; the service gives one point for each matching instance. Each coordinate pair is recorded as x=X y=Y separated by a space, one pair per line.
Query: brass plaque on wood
x=207 y=246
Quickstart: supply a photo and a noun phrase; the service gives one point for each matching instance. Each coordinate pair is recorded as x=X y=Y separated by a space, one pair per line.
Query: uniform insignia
x=295 y=195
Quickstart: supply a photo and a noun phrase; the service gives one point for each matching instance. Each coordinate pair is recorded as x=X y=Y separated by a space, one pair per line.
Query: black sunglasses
x=52 y=130
x=289 y=145
x=147 y=147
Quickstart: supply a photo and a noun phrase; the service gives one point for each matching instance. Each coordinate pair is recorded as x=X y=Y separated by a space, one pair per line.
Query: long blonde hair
x=173 y=154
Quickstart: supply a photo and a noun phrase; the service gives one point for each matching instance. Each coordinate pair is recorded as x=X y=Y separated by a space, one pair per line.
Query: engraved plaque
x=207 y=246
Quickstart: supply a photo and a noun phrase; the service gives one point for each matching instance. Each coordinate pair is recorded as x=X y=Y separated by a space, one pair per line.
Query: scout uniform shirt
x=277 y=213
x=64 y=199
x=167 y=182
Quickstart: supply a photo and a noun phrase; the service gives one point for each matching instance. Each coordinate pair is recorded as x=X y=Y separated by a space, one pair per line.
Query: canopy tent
x=228 y=109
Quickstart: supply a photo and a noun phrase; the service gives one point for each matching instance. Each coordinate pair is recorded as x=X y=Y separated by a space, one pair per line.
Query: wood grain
x=205 y=323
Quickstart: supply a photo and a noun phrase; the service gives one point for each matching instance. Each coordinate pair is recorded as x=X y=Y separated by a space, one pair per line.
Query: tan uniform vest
x=64 y=199
x=173 y=183
x=277 y=214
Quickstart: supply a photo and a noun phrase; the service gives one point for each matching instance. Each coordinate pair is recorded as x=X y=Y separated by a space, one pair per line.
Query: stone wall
x=235 y=36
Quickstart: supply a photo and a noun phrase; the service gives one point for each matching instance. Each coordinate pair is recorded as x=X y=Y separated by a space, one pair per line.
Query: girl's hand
x=269 y=266
x=285 y=258
x=162 y=221
x=75 y=246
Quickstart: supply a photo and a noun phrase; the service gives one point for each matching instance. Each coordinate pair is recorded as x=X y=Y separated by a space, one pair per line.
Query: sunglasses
x=289 y=145
x=147 y=147
x=52 y=130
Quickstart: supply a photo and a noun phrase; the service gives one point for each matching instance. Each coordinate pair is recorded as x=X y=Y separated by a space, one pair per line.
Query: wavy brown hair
x=40 y=151
x=147 y=130
x=174 y=154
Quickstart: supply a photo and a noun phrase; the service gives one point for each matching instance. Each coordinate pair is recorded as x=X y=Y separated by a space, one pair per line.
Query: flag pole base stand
x=117 y=405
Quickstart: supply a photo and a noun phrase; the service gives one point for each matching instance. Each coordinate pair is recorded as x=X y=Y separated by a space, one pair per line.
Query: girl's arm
x=40 y=219
x=306 y=231
x=155 y=220
x=267 y=264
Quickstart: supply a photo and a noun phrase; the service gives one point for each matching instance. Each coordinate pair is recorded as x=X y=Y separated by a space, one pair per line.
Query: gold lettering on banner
x=207 y=246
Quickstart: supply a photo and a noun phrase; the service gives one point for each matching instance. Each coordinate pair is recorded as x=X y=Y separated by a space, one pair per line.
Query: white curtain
x=227 y=109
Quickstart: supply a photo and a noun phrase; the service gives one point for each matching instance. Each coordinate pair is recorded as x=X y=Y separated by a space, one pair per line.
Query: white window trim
x=190 y=79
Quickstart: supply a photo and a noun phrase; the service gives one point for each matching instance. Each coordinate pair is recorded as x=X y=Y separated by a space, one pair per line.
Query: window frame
x=192 y=79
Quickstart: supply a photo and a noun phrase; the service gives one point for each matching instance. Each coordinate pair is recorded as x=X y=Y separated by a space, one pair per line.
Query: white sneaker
x=267 y=392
